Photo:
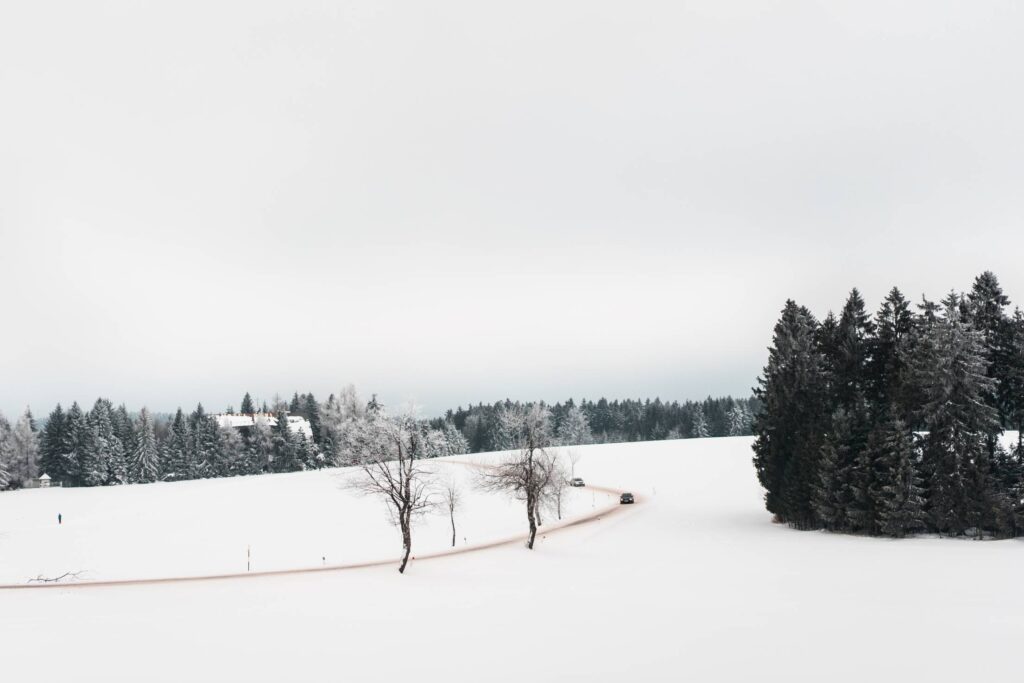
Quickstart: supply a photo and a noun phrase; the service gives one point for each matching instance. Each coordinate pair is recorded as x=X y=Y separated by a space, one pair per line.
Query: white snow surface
x=693 y=583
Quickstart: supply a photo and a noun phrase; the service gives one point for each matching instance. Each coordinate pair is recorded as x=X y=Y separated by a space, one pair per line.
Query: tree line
x=605 y=421
x=107 y=445
x=891 y=424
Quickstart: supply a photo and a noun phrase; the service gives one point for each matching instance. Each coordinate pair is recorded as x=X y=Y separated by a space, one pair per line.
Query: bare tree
x=388 y=451
x=574 y=459
x=451 y=499
x=557 y=482
x=526 y=474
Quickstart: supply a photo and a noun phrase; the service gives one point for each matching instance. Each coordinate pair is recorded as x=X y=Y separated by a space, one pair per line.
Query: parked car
x=626 y=499
x=576 y=481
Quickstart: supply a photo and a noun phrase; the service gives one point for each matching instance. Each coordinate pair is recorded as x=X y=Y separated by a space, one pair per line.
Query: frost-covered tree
x=6 y=453
x=526 y=474
x=575 y=428
x=505 y=433
x=259 y=448
x=739 y=420
x=388 y=451
x=339 y=416
x=75 y=427
x=699 y=430
x=232 y=452
x=124 y=429
x=24 y=450
x=451 y=501
x=203 y=443
x=177 y=461
x=102 y=455
x=287 y=457
x=146 y=455
x=951 y=368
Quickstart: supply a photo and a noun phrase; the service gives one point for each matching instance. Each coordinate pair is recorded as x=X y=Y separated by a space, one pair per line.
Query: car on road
x=626 y=499
x=576 y=481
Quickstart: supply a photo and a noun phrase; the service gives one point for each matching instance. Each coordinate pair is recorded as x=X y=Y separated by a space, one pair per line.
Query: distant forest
x=606 y=421
x=108 y=445
x=891 y=424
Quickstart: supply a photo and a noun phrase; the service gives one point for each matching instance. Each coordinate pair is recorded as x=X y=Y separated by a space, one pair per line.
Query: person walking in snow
x=60 y=519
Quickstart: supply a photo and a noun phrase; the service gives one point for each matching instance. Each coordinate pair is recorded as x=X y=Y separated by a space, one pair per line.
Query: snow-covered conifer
x=575 y=428
x=146 y=455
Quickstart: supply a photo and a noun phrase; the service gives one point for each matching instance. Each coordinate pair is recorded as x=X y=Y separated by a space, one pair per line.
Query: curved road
x=594 y=516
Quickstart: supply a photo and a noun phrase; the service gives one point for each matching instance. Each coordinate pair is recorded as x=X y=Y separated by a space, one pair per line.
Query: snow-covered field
x=694 y=583
x=220 y=526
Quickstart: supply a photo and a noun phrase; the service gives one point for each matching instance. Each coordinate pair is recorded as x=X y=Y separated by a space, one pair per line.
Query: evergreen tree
x=51 y=444
x=900 y=493
x=204 y=453
x=700 y=424
x=6 y=454
x=789 y=426
x=888 y=364
x=106 y=458
x=456 y=443
x=248 y=407
x=176 y=452
x=145 y=456
x=311 y=411
x=574 y=429
x=1012 y=389
x=75 y=428
x=286 y=451
x=739 y=420
x=831 y=493
x=124 y=429
x=952 y=371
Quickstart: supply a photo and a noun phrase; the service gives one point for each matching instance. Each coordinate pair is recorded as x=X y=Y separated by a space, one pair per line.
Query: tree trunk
x=405 y=520
x=533 y=522
x=452 y=512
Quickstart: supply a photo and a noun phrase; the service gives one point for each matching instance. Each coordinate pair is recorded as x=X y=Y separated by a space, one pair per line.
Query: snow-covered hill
x=694 y=583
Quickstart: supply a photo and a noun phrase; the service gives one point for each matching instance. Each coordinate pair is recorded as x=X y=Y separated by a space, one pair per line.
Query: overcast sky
x=462 y=201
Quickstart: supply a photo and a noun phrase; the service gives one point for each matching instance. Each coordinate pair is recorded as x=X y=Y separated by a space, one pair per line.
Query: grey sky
x=461 y=201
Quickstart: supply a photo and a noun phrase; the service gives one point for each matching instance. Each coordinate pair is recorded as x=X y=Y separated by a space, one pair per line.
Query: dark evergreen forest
x=893 y=424
x=605 y=421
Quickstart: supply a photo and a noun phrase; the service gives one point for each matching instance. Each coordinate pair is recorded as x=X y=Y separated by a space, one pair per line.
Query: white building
x=296 y=423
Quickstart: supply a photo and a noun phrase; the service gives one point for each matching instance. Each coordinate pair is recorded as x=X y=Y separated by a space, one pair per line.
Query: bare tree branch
x=388 y=450
x=56 y=579
x=527 y=474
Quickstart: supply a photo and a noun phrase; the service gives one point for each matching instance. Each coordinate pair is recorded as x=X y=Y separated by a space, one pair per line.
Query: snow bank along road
x=695 y=584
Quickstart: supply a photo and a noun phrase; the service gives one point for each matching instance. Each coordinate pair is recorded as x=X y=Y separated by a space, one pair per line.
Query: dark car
x=576 y=481
x=626 y=499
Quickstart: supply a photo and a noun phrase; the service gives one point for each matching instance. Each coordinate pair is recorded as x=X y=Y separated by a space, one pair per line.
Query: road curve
x=595 y=516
